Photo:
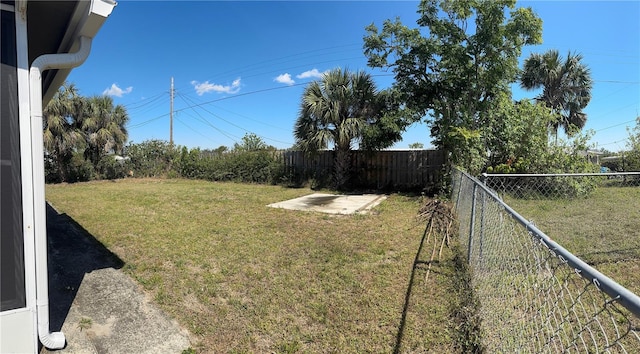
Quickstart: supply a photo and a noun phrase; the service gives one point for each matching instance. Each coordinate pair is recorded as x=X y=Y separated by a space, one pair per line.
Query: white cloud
x=311 y=73
x=114 y=90
x=284 y=79
x=204 y=87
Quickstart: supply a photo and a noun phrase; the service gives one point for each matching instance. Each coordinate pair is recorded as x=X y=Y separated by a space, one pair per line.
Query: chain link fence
x=535 y=296
x=560 y=185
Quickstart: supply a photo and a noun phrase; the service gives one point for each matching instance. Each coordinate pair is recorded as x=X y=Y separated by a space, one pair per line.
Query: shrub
x=564 y=157
x=249 y=162
x=110 y=168
x=80 y=169
x=51 y=174
x=191 y=163
x=251 y=166
x=151 y=158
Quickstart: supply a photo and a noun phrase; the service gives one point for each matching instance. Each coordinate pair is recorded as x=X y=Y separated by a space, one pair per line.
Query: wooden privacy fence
x=397 y=169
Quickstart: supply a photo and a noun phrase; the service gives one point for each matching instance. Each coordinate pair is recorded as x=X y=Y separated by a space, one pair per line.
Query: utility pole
x=171 y=115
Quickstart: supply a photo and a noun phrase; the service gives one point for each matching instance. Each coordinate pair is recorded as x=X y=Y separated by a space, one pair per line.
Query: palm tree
x=335 y=110
x=62 y=135
x=104 y=128
x=566 y=87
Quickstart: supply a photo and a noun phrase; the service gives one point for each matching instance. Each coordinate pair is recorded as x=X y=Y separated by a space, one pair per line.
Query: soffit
x=50 y=29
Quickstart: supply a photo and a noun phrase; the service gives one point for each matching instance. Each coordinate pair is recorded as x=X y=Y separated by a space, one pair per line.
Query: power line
x=616 y=110
x=235 y=125
x=615 y=142
x=258 y=65
x=617 y=125
x=234 y=113
x=618 y=82
x=256 y=91
x=193 y=105
x=599 y=98
x=144 y=102
x=251 y=119
x=212 y=101
x=263 y=63
x=242 y=94
x=194 y=130
x=142 y=124
x=217 y=116
x=300 y=66
x=205 y=121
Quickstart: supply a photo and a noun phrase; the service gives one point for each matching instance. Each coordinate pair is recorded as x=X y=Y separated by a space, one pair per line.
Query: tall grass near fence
x=534 y=295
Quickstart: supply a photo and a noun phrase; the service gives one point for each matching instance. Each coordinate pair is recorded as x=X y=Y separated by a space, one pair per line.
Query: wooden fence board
x=397 y=169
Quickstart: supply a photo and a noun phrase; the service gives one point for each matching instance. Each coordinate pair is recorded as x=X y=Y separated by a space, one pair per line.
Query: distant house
x=41 y=42
x=592 y=156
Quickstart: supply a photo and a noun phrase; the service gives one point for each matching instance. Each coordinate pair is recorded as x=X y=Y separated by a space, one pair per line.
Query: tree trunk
x=342 y=168
x=61 y=165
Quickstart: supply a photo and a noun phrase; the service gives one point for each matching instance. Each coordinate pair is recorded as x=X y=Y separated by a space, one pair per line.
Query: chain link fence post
x=472 y=222
x=482 y=223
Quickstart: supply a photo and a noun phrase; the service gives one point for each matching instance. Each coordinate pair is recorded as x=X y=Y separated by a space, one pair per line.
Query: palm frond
x=566 y=85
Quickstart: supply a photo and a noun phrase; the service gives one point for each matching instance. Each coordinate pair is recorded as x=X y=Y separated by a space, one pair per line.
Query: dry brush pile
x=441 y=235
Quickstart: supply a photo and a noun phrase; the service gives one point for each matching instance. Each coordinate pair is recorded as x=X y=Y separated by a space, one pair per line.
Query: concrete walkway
x=333 y=203
x=98 y=307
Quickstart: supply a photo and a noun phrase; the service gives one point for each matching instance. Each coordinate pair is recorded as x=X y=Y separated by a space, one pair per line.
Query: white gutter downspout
x=55 y=340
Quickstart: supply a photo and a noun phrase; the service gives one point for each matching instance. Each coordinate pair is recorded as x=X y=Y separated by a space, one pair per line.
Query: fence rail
x=398 y=169
x=535 y=295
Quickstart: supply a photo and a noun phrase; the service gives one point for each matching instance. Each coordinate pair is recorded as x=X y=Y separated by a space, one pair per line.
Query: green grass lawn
x=244 y=278
x=603 y=229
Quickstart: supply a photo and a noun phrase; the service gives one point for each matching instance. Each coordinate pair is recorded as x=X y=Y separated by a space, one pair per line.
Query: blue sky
x=241 y=67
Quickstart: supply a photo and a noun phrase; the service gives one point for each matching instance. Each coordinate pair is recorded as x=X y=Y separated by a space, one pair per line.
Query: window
x=12 y=277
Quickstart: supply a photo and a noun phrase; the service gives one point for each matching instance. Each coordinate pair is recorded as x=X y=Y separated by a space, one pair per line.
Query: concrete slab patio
x=333 y=203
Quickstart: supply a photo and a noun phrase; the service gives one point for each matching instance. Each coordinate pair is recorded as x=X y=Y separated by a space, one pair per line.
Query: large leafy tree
x=390 y=119
x=453 y=68
x=566 y=87
x=103 y=126
x=62 y=133
x=342 y=109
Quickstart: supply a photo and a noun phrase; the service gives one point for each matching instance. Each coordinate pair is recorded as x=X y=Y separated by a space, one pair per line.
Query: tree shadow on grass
x=462 y=303
x=73 y=252
x=417 y=264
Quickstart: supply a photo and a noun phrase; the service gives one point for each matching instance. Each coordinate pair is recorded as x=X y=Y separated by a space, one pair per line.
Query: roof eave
x=86 y=20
